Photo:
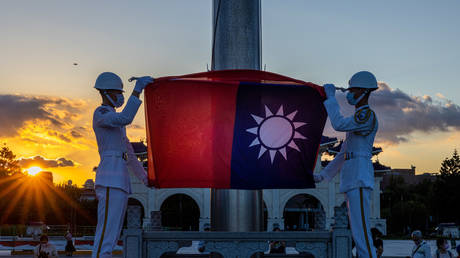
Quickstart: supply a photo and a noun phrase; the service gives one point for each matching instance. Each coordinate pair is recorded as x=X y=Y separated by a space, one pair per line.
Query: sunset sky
x=46 y=102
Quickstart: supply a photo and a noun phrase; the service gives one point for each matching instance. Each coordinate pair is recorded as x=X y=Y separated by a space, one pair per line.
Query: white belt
x=352 y=155
x=123 y=155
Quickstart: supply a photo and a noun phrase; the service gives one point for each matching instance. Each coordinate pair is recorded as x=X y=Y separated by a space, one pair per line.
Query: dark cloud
x=400 y=114
x=52 y=133
x=64 y=138
x=59 y=135
x=45 y=163
x=76 y=134
x=16 y=110
x=65 y=162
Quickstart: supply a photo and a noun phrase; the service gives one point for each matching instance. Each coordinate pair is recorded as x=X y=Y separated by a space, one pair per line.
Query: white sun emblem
x=275 y=132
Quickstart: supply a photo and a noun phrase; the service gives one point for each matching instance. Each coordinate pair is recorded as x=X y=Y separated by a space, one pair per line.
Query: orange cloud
x=56 y=133
x=46 y=163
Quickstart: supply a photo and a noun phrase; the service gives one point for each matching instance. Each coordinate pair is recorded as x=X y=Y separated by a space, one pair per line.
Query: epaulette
x=363 y=115
x=103 y=110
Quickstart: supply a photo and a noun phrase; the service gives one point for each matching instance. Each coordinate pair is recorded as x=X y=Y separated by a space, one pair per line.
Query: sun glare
x=33 y=170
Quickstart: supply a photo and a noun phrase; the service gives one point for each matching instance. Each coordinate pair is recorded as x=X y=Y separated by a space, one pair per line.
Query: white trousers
x=358 y=202
x=111 y=210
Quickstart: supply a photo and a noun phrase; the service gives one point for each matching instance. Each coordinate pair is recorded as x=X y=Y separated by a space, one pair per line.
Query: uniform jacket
x=354 y=159
x=422 y=250
x=116 y=152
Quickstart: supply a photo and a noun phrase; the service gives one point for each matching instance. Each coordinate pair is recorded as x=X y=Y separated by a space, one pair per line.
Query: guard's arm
x=134 y=164
x=331 y=170
x=341 y=123
x=114 y=119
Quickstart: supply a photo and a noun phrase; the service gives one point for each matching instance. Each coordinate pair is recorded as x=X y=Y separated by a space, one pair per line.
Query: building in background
x=289 y=209
x=88 y=193
x=46 y=175
x=408 y=175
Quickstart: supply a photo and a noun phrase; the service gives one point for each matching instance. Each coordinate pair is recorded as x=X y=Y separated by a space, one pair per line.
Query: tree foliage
x=450 y=166
x=8 y=163
x=446 y=190
x=423 y=206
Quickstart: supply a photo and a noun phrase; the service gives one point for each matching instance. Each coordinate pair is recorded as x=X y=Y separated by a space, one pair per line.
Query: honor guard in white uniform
x=354 y=159
x=117 y=158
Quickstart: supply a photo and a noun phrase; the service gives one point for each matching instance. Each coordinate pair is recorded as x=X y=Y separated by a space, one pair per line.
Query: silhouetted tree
x=8 y=163
x=446 y=190
x=450 y=166
x=425 y=205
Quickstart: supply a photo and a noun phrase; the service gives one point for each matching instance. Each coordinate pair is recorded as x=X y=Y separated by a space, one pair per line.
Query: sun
x=33 y=171
x=275 y=132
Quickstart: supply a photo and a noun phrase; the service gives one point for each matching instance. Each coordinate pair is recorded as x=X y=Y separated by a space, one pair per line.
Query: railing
x=321 y=244
x=51 y=230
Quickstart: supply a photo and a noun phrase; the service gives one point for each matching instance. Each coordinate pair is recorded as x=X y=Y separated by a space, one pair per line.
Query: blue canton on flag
x=276 y=137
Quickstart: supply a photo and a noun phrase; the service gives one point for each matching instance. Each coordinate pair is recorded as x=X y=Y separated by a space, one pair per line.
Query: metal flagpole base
x=236 y=210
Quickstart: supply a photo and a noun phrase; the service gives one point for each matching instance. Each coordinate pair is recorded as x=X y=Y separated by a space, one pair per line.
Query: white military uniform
x=421 y=250
x=112 y=178
x=356 y=169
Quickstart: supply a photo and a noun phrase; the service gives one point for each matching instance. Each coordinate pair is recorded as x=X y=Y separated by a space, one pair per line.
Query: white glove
x=318 y=178
x=329 y=89
x=142 y=82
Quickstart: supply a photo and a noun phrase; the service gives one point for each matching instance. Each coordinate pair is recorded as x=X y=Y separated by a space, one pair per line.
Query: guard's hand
x=318 y=178
x=142 y=82
x=329 y=89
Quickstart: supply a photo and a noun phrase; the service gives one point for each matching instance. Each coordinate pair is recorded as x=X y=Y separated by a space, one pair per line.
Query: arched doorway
x=304 y=212
x=180 y=212
x=133 y=202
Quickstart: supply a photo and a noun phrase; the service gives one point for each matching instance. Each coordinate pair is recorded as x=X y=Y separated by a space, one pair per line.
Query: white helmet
x=108 y=81
x=363 y=79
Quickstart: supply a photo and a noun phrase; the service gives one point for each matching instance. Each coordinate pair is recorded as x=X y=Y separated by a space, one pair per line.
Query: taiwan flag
x=240 y=129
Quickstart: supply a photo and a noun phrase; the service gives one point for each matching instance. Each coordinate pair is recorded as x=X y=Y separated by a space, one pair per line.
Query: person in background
x=202 y=243
x=452 y=242
x=277 y=247
x=69 y=247
x=442 y=250
x=45 y=249
x=421 y=249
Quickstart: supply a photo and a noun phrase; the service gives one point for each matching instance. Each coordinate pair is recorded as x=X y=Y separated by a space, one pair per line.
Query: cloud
x=135 y=127
x=400 y=114
x=76 y=134
x=18 y=111
x=59 y=135
x=45 y=163
x=15 y=110
x=440 y=95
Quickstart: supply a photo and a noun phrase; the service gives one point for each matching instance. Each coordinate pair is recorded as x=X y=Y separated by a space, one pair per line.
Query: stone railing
x=319 y=244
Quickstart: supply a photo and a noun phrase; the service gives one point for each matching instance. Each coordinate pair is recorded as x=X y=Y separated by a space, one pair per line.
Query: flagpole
x=236 y=44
